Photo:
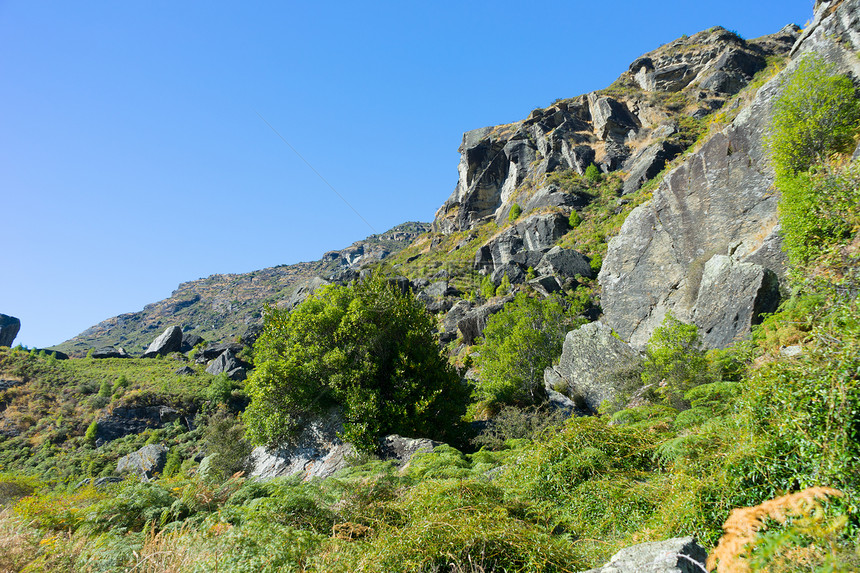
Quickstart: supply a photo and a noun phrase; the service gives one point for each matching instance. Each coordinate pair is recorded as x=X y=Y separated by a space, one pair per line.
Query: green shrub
x=504 y=286
x=816 y=114
x=513 y=423
x=675 y=361
x=818 y=211
x=224 y=436
x=367 y=348
x=515 y=213
x=574 y=220
x=520 y=341
x=592 y=173
x=488 y=289
x=105 y=389
x=92 y=431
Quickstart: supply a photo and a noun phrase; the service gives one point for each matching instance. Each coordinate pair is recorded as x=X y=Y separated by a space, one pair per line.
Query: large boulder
x=647 y=164
x=228 y=364
x=306 y=289
x=401 y=450
x=731 y=298
x=590 y=355
x=145 y=463
x=119 y=422
x=317 y=452
x=214 y=350
x=109 y=352
x=169 y=341
x=566 y=263
x=189 y=341
x=9 y=327
x=534 y=234
x=678 y=555
x=719 y=201
x=472 y=325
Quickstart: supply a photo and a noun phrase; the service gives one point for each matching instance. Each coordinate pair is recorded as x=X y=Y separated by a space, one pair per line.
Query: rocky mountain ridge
x=634 y=126
x=225 y=306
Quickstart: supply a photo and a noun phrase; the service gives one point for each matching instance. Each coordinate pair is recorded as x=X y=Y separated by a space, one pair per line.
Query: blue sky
x=132 y=156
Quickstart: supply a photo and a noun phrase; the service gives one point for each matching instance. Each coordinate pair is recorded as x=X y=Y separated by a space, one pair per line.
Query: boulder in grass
x=145 y=463
x=169 y=341
x=678 y=555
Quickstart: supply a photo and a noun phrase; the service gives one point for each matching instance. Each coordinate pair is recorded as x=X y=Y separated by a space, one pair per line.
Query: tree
x=675 y=361
x=367 y=348
x=815 y=114
x=520 y=341
x=592 y=173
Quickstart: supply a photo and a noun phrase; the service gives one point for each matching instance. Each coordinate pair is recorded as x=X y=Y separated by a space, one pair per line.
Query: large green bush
x=367 y=348
x=520 y=341
x=815 y=115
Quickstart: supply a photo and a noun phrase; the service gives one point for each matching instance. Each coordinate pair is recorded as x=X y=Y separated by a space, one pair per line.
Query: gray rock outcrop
x=401 y=450
x=109 y=352
x=189 y=341
x=533 y=235
x=679 y=555
x=646 y=164
x=473 y=323
x=119 y=422
x=318 y=452
x=145 y=463
x=214 y=350
x=566 y=263
x=169 y=341
x=589 y=357
x=724 y=283
x=607 y=128
x=720 y=201
x=228 y=364
x=9 y=327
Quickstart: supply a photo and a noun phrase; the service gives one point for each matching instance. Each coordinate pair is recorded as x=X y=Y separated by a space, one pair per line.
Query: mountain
x=647 y=120
x=223 y=307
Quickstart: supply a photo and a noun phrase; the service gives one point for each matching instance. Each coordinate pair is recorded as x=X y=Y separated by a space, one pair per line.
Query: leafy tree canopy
x=367 y=348
x=520 y=341
x=816 y=114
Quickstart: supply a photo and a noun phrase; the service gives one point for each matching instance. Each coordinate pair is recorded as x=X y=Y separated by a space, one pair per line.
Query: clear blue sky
x=132 y=157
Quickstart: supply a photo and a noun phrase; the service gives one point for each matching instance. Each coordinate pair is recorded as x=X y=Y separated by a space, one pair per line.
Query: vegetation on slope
x=719 y=430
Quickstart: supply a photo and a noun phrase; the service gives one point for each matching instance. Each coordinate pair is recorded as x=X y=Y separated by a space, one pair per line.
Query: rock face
x=472 y=325
x=109 y=352
x=589 y=356
x=606 y=128
x=121 y=422
x=228 y=364
x=523 y=243
x=566 y=263
x=402 y=449
x=705 y=248
x=317 y=452
x=679 y=555
x=718 y=202
x=9 y=327
x=647 y=163
x=146 y=463
x=169 y=341
x=725 y=282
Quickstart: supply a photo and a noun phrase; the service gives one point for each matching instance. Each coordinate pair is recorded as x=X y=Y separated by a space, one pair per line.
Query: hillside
x=627 y=342
x=222 y=307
